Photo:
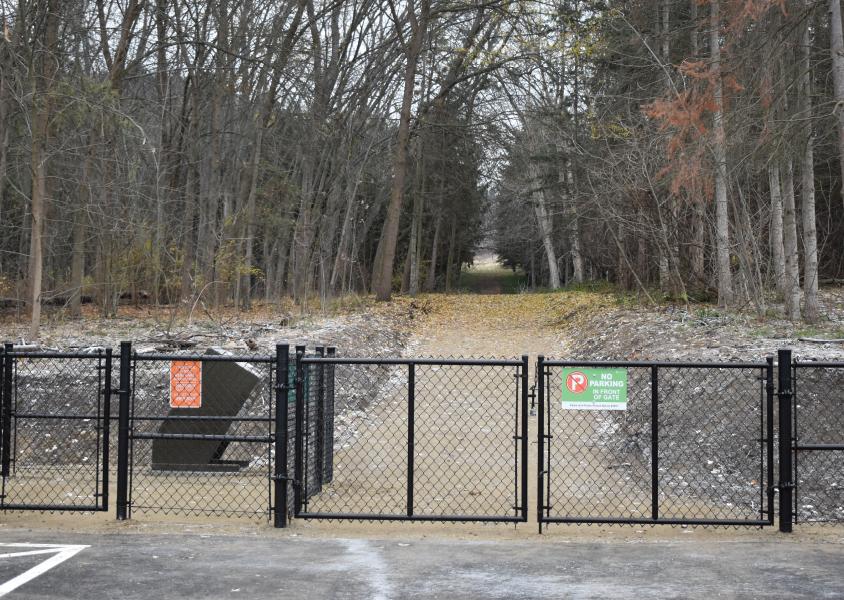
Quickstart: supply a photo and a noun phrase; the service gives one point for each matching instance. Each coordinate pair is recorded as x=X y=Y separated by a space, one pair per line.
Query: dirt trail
x=492 y=325
x=469 y=325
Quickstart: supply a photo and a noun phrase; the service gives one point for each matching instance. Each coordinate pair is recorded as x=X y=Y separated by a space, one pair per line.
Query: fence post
x=319 y=426
x=6 y=409
x=769 y=434
x=540 y=446
x=411 y=433
x=654 y=442
x=524 y=435
x=329 y=419
x=785 y=485
x=299 y=459
x=123 y=431
x=106 y=426
x=282 y=390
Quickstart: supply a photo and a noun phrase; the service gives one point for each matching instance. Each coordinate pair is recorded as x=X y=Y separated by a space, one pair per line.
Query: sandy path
x=500 y=326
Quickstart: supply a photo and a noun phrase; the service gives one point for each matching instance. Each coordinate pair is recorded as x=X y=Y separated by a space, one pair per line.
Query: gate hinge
x=785 y=485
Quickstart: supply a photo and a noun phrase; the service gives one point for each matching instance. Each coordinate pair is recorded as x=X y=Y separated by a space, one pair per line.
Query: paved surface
x=118 y=566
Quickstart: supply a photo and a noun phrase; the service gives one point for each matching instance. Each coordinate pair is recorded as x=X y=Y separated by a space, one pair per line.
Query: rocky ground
x=704 y=333
x=704 y=403
x=356 y=328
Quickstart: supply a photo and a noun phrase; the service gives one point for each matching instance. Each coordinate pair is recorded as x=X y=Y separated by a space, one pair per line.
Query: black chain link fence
x=423 y=439
x=201 y=433
x=55 y=426
x=818 y=435
x=705 y=461
x=416 y=439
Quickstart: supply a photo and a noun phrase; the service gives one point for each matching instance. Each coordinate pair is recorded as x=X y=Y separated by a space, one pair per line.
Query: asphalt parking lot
x=120 y=565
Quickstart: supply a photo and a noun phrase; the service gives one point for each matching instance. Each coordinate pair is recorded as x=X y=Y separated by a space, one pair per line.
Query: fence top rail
x=648 y=363
x=54 y=354
x=430 y=361
x=245 y=358
x=818 y=364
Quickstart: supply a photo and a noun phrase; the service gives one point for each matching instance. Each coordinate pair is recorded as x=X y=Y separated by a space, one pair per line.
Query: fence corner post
x=280 y=474
x=784 y=396
x=123 y=431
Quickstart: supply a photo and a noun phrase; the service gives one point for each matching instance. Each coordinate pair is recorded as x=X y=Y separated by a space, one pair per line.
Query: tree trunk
x=836 y=47
x=776 y=240
x=77 y=261
x=722 y=227
x=789 y=237
x=249 y=223
x=36 y=241
x=416 y=231
x=42 y=84
x=382 y=280
x=807 y=178
x=189 y=239
x=546 y=228
x=449 y=265
x=431 y=279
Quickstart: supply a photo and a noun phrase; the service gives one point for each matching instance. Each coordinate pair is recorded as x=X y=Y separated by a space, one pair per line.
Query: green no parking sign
x=594 y=389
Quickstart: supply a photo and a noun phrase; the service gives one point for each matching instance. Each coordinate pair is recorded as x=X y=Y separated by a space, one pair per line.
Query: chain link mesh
x=212 y=459
x=819 y=420
x=464 y=448
x=57 y=422
x=711 y=460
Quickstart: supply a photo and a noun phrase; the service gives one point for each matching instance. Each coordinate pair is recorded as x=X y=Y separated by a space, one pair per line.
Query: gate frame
x=102 y=424
x=275 y=478
x=520 y=437
x=790 y=438
x=766 y=509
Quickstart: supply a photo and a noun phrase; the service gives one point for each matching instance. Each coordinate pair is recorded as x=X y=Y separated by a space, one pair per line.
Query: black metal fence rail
x=416 y=439
x=694 y=446
x=54 y=430
x=817 y=445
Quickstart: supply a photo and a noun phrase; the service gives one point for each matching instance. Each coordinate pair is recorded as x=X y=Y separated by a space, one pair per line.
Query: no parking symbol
x=577 y=382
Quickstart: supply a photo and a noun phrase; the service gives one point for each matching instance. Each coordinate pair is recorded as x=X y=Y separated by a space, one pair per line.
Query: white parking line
x=61 y=552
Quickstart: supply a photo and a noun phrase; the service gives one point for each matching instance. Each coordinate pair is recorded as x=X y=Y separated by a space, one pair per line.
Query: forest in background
x=225 y=152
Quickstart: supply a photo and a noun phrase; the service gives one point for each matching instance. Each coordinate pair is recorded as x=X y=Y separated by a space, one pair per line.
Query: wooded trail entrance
x=320 y=436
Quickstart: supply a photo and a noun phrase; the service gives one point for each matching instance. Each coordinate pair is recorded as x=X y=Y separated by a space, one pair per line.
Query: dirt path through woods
x=468 y=325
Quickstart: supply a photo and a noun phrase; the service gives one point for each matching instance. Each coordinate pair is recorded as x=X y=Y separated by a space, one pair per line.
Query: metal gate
x=54 y=430
x=817 y=441
x=693 y=445
x=199 y=434
x=412 y=439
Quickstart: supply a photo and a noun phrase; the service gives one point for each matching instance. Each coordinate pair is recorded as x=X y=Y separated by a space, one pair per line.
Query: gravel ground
x=713 y=405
